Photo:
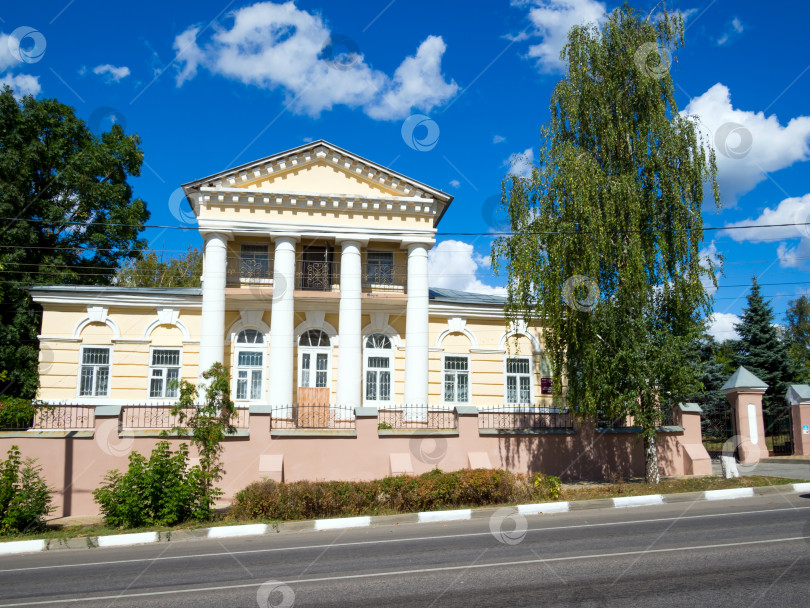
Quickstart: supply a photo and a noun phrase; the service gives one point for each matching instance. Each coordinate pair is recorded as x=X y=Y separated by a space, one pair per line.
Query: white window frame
x=314 y=351
x=238 y=347
x=109 y=348
x=378 y=352
x=469 y=380
x=506 y=402
x=164 y=367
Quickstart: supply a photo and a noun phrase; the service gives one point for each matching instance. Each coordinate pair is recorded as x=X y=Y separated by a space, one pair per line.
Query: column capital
x=349 y=239
x=282 y=236
x=223 y=234
x=412 y=243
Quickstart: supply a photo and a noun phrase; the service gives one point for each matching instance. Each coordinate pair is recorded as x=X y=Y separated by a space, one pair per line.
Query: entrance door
x=316 y=269
x=314 y=352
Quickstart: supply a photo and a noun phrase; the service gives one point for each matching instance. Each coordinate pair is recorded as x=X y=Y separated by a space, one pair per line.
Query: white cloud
x=737 y=25
x=749 y=145
x=7 y=60
x=551 y=20
x=454 y=265
x=721 y=326
x=735 y=29
x=498 y=139
x=111 y=73
x=792 y=220
x=455 y=183
x=795 y=210
x=278 y=46
x=21 y=84
x=520 y=164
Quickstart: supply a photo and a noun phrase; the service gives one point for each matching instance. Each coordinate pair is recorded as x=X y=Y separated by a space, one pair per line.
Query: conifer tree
x=760 y=350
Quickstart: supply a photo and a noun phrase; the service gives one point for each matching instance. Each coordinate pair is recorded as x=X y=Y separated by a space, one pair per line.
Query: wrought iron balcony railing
x=249 y=269
x=313 y=275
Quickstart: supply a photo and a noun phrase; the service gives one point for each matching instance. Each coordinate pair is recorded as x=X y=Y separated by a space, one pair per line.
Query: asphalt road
x=745 y=552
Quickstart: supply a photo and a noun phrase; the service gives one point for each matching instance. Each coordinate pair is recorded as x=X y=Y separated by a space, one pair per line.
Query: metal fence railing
x=417 y=417
x=316 y=416
x=160 y=417
x=67 y=417
x=517 y=417
x=665 y=416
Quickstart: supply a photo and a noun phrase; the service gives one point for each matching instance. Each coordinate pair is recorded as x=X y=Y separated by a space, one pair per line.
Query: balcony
x=385 y=277
x=317 y=275
x=249 y=270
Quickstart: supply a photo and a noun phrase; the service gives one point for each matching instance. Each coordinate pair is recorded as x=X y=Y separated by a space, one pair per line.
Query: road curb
x=622 y=502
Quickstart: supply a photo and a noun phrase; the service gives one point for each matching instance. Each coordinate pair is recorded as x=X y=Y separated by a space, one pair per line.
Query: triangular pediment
x=321 y=177
x=318 y=169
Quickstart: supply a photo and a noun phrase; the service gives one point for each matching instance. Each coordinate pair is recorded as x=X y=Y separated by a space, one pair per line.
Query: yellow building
x=315 y=291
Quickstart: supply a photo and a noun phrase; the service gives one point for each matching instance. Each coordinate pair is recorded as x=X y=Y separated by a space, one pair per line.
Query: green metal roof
x=742 y=378
x=440 y=294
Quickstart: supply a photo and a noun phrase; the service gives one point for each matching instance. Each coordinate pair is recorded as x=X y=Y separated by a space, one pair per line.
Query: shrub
x=157 y=491
x=24 y=495
x=208 y=424
x=17 y=413
x=433 y=490
x=548 y=486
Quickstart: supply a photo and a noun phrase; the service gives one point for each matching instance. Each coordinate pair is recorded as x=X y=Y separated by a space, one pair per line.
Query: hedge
x=404 y=494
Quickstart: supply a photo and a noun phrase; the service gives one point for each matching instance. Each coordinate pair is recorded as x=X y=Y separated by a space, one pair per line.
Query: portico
x=332 y=233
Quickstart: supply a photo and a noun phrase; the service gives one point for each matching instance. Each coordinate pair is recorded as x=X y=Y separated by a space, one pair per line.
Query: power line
x=531 y=233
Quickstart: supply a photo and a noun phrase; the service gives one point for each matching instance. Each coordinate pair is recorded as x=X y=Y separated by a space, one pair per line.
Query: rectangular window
x=456 y=379
x=378 y=379
x=249 y=369
x=380 y=267
x=164 y=376
x=518 y=380
x=254 y=262
x=95 y=372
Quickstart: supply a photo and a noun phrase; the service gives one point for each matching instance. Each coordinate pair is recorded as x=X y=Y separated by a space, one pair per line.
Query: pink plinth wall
x=750 y=424
x=801 y=417
x=76 y=465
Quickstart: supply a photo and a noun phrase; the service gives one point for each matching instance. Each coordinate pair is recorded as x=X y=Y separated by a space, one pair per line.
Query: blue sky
x=209 y=85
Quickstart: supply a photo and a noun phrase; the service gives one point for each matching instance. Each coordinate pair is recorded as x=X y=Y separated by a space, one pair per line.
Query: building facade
x=315 y=291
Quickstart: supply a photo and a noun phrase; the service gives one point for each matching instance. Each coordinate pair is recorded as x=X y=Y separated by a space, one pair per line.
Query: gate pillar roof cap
x=743 y=379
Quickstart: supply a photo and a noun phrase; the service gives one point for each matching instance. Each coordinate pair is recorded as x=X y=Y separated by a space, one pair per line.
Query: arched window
x=314 y=350
x=314 y=337
x=250 y=336
x=378 y=362
x=378 y=341
x=249 y=365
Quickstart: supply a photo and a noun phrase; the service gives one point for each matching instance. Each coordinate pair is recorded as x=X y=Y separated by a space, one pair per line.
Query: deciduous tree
x=67 y=216
x=606 y=233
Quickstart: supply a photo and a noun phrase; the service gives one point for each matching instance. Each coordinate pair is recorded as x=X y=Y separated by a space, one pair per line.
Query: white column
x=416 y=327
x=282 y=327
x=350 y=363
x=212 y=331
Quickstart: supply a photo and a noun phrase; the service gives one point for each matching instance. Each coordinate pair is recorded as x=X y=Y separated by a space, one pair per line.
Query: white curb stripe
x=433 y=516
x=544 y=507
x=638 y=501
x=233 y=531
x=120 y=540
x=21 y=546
x=342 y=522
x=730 y=493
x=801 y=487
